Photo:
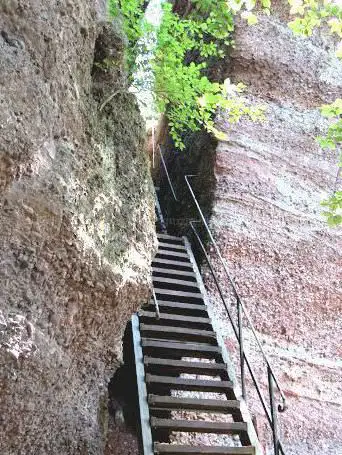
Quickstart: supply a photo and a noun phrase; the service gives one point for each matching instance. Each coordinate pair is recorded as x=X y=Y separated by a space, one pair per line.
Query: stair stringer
x=225 y=355
x=146 y=433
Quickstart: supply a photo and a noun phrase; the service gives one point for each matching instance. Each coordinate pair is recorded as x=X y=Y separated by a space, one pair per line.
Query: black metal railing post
x=241 y=348
x=274 y=415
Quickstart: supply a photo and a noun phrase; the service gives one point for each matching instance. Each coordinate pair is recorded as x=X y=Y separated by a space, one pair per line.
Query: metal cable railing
x=156 y=304
x=167 y=174
x=271 y=412
x=159 y=213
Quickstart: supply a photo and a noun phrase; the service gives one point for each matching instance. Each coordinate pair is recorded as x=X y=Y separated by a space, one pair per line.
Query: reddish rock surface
x=271 y=178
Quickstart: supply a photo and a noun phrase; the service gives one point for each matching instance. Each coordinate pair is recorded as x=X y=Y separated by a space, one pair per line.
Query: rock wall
x=76 y=222
x=271 y=178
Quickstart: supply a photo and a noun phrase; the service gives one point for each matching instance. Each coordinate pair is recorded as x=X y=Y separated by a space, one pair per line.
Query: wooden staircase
x=181 y=363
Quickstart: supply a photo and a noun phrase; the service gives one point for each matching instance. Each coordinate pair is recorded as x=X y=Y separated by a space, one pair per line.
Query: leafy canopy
x=132 y=12
x=311 y=14
x=332 y=140
x=186 y=46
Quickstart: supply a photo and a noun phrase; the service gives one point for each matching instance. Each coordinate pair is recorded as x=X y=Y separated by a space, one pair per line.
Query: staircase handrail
x=273 y=382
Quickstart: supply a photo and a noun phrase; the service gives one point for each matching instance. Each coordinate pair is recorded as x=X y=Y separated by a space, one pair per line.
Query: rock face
x=271 y=178
x=76 y=221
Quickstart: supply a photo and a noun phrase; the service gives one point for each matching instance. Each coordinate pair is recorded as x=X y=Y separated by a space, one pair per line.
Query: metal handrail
x=271 y=414
x=167 y=173
x=244 y=360
x=153 y=148
x=272 y=380
x=231 y=319
x=156 y=304
x=159 y=213
x=282 y=406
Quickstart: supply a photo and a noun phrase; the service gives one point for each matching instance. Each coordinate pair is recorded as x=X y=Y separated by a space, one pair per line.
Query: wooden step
x=177 y=254
x=183 y=330
x=179 y=294
x=199 y=426
x=173 y=449
x=193 y=404
x=180 y=307
x=172 y=348
x=183 y=366
x=170 y=318
x=171 y=263
x=175 y=282
x=170 y=238
x=191 y=385
x=178 y=333
x=162 y=245
x=173 y=272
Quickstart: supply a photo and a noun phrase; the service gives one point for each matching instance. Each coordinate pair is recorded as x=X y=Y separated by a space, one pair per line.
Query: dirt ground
x=120 y=440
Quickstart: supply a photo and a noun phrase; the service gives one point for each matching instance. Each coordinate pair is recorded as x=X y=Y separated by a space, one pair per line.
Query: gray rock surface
x=76 y=223
x=271 y=178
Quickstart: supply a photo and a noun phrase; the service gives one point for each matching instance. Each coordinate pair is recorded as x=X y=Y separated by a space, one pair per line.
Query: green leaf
x=250 y=17
x=339 y=51
x=334 y=220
